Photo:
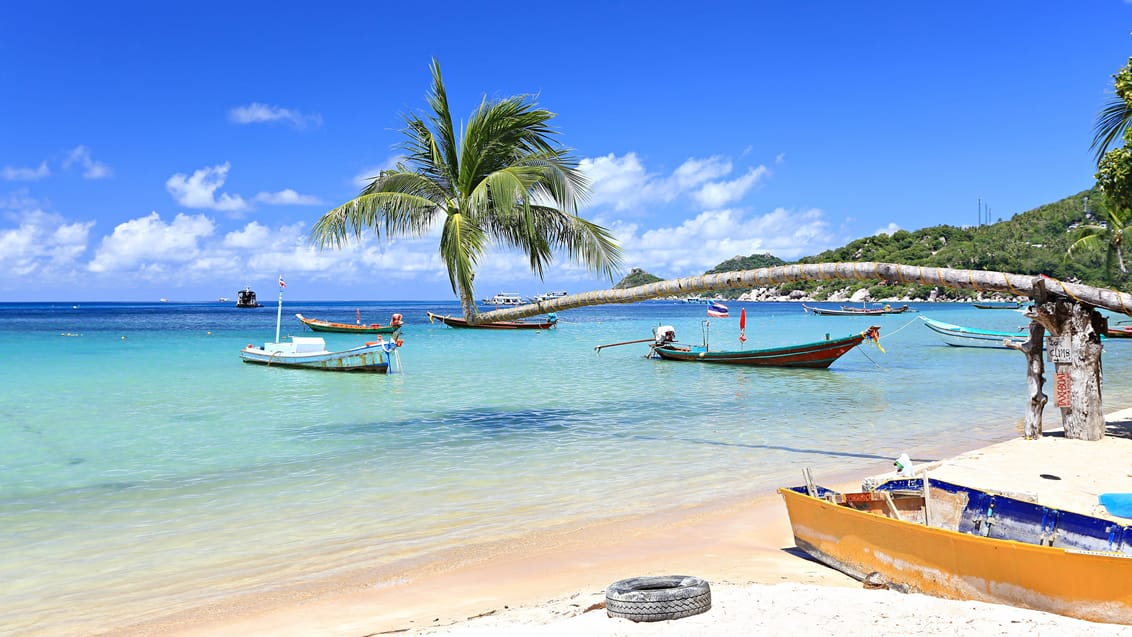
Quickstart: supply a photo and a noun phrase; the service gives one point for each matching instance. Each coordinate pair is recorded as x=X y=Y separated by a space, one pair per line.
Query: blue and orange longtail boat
x=923 y=535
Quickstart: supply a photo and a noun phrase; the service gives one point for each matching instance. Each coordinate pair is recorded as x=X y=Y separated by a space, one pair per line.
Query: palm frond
x=1111 y=123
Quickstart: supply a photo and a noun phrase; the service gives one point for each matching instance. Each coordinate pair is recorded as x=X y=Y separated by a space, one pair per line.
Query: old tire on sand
x=654 y=599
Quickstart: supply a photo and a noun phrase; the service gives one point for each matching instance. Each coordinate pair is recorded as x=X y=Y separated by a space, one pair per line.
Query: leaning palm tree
x=1108 y=236
x=502 y=180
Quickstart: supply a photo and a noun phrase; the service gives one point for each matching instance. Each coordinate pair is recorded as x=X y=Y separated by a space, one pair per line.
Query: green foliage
x=636 y=277
x=1032 y=242
x=753 y=262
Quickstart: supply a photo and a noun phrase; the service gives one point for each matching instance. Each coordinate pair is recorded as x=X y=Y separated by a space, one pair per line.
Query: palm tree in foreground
x=502 y=181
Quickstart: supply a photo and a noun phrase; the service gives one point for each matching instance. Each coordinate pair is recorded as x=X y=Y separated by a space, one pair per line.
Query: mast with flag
x=279 y=313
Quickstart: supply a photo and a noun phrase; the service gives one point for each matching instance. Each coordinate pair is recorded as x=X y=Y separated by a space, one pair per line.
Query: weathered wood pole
x=1034 y=349
x=1077 y=358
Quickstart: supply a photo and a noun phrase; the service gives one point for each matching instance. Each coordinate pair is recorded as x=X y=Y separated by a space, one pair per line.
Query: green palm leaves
x=502 y=180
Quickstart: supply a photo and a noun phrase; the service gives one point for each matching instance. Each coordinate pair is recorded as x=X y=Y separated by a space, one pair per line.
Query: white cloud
x=91 y=169
x=625 y=184
x=890 y=229
x=720 y=193
x=700 y=243
x=42 y=245
x=288 y=197
x=149 y=242
x=257 y=113
x=199 y=190
x=25 y=174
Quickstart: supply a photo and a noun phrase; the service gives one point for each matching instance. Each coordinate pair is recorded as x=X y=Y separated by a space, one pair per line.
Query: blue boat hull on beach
x=145 y=463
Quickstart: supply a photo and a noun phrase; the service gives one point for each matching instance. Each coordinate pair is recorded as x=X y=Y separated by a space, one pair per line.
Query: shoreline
x=551 y=574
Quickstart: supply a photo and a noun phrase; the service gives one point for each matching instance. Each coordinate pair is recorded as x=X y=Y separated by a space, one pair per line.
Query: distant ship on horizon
x=246 y=298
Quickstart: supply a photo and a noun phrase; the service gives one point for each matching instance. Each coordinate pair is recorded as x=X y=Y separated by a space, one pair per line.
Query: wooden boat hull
x=318 y=325
x=372 y=358
x=997 y=306
x=452 y=321
x=1119 y=332
x=959 y=336
x=913 y=557
x=826 y=311
x=819 y=355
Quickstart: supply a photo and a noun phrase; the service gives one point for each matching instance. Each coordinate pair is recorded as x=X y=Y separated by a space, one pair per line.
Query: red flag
x=282 y=283
x=743 y=325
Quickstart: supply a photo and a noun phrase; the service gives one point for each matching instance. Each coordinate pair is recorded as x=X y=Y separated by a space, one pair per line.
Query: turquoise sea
x=145 y=470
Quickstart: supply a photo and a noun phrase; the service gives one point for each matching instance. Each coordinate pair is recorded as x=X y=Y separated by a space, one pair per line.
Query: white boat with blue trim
x=959 y=336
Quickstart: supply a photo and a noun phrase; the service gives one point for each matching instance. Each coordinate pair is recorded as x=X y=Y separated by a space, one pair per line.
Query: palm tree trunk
x=980 y=280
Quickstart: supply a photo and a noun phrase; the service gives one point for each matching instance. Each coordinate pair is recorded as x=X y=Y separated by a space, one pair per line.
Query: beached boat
x=999 y=306
x=820 y=354
x=843 y=311
x=522 y=324
x=959 y=542
x=959 y=336
x=378 y=356
x=318 y=325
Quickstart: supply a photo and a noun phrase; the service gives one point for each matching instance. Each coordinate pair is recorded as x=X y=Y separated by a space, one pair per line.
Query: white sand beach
x=554 y=583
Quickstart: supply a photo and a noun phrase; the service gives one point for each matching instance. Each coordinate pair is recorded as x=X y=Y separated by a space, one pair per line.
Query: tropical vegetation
x=502 y=180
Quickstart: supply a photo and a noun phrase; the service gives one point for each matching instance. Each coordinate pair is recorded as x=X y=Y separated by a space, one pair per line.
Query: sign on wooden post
x=1060 y=349
x=1061 y=395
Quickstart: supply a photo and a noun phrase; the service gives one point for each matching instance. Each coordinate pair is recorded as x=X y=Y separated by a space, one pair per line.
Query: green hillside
x=1031 y=242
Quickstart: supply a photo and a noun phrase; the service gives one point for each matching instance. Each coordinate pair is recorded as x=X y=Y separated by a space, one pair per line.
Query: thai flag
x=282 y=283
x=718 y=310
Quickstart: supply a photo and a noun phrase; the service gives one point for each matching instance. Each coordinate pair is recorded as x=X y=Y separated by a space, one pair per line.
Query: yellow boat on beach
x=937 y=538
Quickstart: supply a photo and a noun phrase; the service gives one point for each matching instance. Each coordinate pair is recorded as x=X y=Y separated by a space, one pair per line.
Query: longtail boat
x=959 y=336
x=938 y=538
x=452 y=321
x=999 y=306
x=1118 y=332
x=318 y=325
x=819 y=354
x=379 y=356
x=843 y=311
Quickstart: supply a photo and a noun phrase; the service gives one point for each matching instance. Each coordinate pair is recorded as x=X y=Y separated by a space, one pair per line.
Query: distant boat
x=827 y=311
x=938 y=538
x=1119 y=332
x=959 y=336
x=164 y=300
x=885 y=309
x=819 y=354
x=246 y=298
x=522 y=324
x=548 y=296
x=504 y=298
x=379 y=356
x=223 y=299
x=319 y=325
x=999 y=306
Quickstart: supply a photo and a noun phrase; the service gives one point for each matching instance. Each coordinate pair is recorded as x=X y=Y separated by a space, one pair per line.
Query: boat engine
x=664 y=334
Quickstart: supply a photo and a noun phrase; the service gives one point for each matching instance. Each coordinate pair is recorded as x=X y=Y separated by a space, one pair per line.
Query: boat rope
x=897 y=330
x=865 y=354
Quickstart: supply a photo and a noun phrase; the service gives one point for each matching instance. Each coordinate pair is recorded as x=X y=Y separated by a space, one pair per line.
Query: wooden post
x=1034 y=348
x=1077 y=359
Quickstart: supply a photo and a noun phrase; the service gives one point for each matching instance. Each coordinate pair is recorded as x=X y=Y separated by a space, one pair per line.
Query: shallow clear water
x=144 y=469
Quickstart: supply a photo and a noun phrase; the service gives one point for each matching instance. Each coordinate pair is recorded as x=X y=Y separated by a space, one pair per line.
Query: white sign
x=1060 y=349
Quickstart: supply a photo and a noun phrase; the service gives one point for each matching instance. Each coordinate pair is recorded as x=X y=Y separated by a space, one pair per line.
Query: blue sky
x=183 y=150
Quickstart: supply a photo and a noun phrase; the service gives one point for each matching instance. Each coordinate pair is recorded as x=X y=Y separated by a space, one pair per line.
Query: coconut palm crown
x=502 y=180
